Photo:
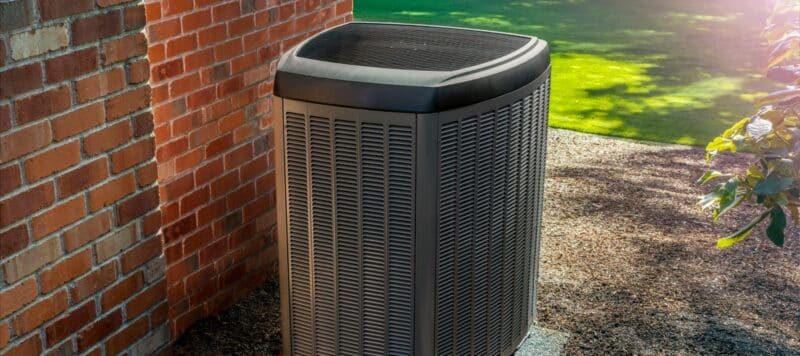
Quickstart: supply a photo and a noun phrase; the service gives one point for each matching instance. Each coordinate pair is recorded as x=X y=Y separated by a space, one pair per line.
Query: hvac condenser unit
x=410 y=174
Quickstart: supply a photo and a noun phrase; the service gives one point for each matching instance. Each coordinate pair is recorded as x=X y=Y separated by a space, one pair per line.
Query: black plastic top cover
x=408 y=68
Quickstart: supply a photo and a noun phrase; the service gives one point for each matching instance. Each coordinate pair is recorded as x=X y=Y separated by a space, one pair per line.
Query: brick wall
x=81 y=264
x=94 y=138
x=212 y=64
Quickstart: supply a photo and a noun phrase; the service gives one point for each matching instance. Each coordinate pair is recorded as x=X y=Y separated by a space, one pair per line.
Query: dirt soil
x=628 y=264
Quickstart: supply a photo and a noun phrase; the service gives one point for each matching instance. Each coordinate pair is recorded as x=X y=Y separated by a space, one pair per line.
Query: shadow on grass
x=667 y=71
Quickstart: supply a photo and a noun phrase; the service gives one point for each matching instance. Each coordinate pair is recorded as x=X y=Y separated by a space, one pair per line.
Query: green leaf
x=773 y=184
x=776 y=226
x=742 y=234
x=710 y=175
x=729 y=198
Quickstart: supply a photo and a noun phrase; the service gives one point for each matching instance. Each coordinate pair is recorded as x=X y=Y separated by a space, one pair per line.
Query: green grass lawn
x=677 y=71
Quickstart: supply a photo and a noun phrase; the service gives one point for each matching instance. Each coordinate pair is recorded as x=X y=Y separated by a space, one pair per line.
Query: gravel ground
x=628 y=264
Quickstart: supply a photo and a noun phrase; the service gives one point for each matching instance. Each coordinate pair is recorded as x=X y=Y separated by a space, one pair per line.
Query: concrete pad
x=542 y=342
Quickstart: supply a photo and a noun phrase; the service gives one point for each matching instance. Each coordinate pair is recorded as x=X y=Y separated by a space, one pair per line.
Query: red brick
x=172 y=7
x=146 y=299
x=241 y=25
x=208 y=172
x=167 y=151
x=146 y=175
x=107 y=138
x=198 y=60
x=163 y=30
x=196 y=20
x=99 y=330
x=230 y=86
x=143 y=124
x=166 y=70
x=157 y=53
x=96 y=27
x=62 y=215
x=197 y=240
x=228 y=49
x=177 y=188
x=238 y=156
x=134 y=17
x=281 y=31
x=100 y=84
x=141 y=254
x=132 y=333
x=224 y=184
x=43 y=104
x=40 y=312
x=26 y=203
x=111 y=192
x=344 y=7
x=213 y=252
x=5 y=333
x=71 y=65
x=219 y=145
x=189 y=160
x=194 y=200
x=5 y=116
x=19 y=80
x=241 y=195
x=78 y=121
x=66 y=270
x=212 y=35
x=53 y=9
x=137 y=206
x=139 y=71
x=231 y=121
x=13 y=240
x=87 y=231
x=70 y=324
x=24 y=141
x=225 y=12
x=127 y=102
x=13 y=298
x=121 y=291
x=184 y=85
x=83 y=177
x=152 y=11
x=53 y=160
x=179 y=229
x=94 y=281
x=243 y=63
x=132 y=155
x=151 y=223
x=254 y=168
x=126 y=47
x=201 y=98
x=9 y=179
x=31 y=346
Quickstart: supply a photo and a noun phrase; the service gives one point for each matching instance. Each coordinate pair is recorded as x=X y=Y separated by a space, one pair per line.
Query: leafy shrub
x=772 y=135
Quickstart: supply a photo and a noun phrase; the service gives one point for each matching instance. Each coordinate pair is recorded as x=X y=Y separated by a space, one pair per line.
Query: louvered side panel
x=373 y=213
x=483 y=213
x=526 y=211
x=348 y=232
x=541 y=104
x=509 y=243
x=323 y=236
x=301 y=304
x=464 y=238
x=401 y=243
x=445 y=266
x=498 y=232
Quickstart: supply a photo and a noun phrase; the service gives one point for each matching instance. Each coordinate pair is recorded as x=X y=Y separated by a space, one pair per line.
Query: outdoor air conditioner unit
x=410 y=176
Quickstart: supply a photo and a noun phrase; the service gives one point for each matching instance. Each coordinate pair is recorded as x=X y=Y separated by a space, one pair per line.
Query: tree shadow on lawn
x=676 y=71
x=629 y=264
